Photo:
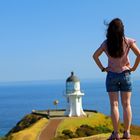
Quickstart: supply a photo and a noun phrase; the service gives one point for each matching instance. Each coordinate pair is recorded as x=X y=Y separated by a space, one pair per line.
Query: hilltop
x=94 y=126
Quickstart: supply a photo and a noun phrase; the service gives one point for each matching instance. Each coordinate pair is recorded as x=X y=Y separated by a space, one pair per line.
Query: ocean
x=19 y=98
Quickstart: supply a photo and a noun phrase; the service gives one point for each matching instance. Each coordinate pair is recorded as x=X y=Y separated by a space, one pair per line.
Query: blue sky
x=47 y=39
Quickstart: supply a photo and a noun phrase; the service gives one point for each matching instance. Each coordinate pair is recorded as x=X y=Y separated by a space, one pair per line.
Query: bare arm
x=136 y=51
x=96 y=55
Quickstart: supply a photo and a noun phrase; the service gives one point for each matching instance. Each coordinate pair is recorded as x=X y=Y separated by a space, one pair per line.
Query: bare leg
x=127 y=113
x=113 y=96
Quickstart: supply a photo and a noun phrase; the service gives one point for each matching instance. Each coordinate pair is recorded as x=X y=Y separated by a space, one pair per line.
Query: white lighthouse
x=74 y=97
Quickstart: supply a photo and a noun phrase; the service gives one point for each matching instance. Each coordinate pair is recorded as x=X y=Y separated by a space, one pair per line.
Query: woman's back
x=122 y=63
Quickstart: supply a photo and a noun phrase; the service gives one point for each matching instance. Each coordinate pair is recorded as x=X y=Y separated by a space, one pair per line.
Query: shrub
x=61 y=138
x=102 y=129
x=86 y=126
x=80 y=133
x=68 y=133
x=84 y=130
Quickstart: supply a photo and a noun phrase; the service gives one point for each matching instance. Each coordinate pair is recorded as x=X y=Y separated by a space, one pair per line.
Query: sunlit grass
x=72 y=123
x=30 y=133
x=93 y=119
x=104 y=137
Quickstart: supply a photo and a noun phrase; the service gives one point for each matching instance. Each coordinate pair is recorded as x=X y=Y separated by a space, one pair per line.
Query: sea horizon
x=19 y=98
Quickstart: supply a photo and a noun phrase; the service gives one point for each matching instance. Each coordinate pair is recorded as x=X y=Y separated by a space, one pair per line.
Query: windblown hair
x=115 y=36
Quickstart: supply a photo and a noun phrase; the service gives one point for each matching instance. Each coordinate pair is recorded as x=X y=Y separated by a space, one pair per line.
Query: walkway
x=50 y=129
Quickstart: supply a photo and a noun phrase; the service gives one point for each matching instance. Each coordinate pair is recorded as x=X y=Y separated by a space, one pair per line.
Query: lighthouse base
x=74 y=106
x=75 y=114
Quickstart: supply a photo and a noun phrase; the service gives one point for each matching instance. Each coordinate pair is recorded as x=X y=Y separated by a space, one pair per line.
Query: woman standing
x=118 y=79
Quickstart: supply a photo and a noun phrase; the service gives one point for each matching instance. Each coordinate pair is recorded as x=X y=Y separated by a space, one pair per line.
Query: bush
x=61 y=138
x=85 y=126
x=80 y=133
x=86 y=130
x=68 y=133
x=83 y=131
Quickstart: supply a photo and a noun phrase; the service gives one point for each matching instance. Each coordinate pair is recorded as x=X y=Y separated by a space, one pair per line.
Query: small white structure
x=74 y=97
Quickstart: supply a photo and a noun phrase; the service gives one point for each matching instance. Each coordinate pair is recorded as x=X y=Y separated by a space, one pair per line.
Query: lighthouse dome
x=72 y=84
x=72 y=78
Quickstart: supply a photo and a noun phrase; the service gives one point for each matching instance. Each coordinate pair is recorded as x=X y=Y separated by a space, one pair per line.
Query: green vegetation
x=26 y=122
x=83 y=131
x=93 y=119
x=3 y=138
x=28 y=128
x=30 y=133
x=94 y=124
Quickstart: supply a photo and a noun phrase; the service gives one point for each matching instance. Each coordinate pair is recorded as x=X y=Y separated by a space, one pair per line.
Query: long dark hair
x=115 y=36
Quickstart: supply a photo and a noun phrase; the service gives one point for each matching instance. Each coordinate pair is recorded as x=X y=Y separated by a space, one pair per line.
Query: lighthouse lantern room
x=74 y=97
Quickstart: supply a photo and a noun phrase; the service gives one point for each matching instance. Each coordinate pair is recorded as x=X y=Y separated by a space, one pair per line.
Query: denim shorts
x=119 y=81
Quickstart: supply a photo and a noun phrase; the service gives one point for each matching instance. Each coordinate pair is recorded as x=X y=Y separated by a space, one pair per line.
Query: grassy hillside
x=93 y=119
x=31 y=125
x=98 y=121
x=28 y=128
x=104 y=137
x=30 y=133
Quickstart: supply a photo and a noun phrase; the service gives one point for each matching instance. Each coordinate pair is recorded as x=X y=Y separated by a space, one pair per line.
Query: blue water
x=18 y=99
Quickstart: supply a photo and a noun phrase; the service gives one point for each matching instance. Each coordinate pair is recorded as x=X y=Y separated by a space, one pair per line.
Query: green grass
x=104 y=137
x=94 y=119
x=26 y=122
x=30 y=133
x=98 y=121
x=3 y=138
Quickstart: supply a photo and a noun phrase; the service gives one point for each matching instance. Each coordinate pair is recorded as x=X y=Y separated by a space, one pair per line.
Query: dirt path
x=49 y=131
